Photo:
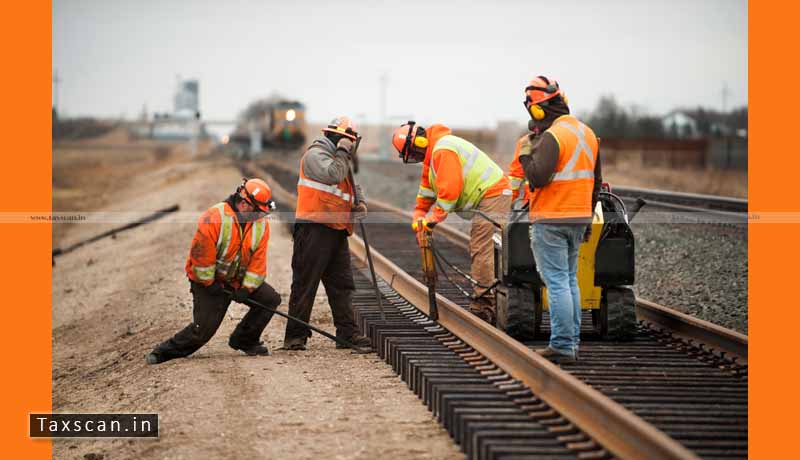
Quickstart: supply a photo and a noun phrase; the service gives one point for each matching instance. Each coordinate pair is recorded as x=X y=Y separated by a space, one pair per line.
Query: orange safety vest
x=222 y=251
x=329 y=205
x=569 y=194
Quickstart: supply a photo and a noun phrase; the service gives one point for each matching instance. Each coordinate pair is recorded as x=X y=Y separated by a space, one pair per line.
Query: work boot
x=483 y=309
x=556 y=356
x=153 y=358
x=294 y=344
x=356 y=340
x=258 y=349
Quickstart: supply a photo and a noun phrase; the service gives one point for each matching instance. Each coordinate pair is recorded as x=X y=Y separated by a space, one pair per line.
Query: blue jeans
x=555 y=249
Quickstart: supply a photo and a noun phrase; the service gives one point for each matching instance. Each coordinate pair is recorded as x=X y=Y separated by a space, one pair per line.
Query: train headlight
x=290 y=114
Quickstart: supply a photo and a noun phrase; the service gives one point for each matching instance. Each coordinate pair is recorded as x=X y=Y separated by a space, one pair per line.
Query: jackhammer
x=425 y=241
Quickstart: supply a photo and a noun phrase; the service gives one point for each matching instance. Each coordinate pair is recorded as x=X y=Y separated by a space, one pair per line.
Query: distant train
x=279 y=122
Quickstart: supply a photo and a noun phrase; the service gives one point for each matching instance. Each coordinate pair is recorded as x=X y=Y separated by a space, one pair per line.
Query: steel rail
x=690 y=213
x=620 y=431
x=693 y=199
x=688 y=327
x=709 y=334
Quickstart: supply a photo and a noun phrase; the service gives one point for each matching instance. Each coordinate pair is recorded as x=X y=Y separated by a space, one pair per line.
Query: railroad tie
x=486 y=412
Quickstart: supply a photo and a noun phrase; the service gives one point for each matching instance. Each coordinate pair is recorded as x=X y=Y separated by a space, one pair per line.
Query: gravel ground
x=115 y=299
x=698 y=269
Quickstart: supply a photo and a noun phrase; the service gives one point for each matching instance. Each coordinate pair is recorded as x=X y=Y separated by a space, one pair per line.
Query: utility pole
x=383 y=124
x=727 y=135
x=725 y=94
x=56 y=82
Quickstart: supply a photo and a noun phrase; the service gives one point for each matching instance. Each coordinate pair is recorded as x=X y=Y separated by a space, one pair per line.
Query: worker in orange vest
x=228 y=251
x=562 y=168
x=458 y=177
x=327 y=204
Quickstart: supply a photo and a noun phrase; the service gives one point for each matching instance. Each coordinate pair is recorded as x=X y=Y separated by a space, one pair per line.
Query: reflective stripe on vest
x=332 y=189
x=478 y=172
x=230 y=269
x=327 y=204
x=581 y=146
x=258 y=232
x=224 y=239
x=569 y=194
x=252 y=280
x=205 y=273
x=425 y=192
x=515 y=182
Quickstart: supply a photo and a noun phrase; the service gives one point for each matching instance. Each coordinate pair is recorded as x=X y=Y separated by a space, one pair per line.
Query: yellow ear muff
x=421 y=142
x=536 y=111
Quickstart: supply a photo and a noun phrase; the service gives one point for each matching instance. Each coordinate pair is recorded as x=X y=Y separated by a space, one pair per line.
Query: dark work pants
x=209 y=311
x=321 y=254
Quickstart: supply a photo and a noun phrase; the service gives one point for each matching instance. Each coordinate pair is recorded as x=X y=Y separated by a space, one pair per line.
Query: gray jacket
x=323 y=162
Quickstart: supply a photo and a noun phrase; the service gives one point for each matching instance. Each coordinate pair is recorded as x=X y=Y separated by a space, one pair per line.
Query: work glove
x=360 y=211
x=345 y=145
x=421 y=223
x=214 y=289
x=240 y=295
x=526 y=148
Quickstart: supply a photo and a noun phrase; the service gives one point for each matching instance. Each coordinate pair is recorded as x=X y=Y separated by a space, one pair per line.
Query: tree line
x=610 y=119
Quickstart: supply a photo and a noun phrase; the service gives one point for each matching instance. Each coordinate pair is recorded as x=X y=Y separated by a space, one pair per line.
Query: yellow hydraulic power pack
x=605 y=275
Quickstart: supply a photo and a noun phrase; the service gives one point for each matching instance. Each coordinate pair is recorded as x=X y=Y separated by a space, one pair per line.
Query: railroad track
x=685 y=379
x=676 y=207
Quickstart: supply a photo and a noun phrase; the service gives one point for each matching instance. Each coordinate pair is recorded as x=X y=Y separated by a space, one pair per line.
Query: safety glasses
x=410 y=154
x=260 y=206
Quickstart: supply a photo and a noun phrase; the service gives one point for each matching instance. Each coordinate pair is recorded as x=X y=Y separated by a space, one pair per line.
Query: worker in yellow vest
x=458 y=177
x=562 y=167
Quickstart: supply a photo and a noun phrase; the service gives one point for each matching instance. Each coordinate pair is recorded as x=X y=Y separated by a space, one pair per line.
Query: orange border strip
x=773 y=248
x=26 y=339
x=26 y=386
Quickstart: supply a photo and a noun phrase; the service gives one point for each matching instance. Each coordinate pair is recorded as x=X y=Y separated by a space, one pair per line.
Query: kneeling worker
x=458 y=177
x=229 y=249
x=326 y=207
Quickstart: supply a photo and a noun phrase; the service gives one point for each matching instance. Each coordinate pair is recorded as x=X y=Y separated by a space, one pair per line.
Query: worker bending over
x=229 y=251
x=326 y=208
x=458 y=177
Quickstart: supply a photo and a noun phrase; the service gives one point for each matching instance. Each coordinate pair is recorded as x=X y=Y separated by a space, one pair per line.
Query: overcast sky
x=463 y=63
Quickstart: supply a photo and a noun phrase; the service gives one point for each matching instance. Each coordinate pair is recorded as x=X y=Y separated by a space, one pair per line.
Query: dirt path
x=115 y=299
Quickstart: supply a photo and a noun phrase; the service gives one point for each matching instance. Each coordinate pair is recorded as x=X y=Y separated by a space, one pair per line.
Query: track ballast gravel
x=699 y=269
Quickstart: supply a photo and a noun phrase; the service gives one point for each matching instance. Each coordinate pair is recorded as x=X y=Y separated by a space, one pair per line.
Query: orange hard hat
x=258 y=194
x=343 y=125
x=541 y=89
x=410 y=142
x=537 y=94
